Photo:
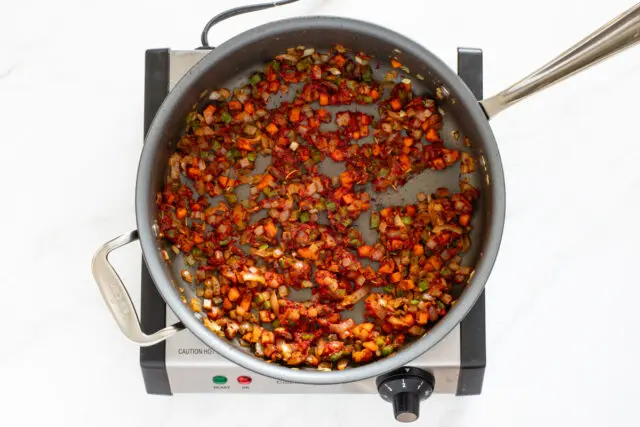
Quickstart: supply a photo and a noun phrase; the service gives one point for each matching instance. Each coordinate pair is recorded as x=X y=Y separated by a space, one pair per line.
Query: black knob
x=406 y=388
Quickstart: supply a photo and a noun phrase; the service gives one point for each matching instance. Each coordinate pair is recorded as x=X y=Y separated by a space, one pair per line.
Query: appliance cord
x=204 y=38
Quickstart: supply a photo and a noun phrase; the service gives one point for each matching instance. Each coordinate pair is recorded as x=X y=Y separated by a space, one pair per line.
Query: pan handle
x=613 y=37
x=117 y=298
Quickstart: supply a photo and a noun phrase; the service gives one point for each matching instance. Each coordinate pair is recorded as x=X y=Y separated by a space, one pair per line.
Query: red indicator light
x=244 y=380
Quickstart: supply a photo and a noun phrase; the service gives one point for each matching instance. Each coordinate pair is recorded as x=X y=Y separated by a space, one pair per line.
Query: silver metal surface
x=191 y=366
x=181 y=61
x=117 y=298
x=613 y=37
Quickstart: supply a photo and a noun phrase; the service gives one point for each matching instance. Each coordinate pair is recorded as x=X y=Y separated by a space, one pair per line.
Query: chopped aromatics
x=244 y=269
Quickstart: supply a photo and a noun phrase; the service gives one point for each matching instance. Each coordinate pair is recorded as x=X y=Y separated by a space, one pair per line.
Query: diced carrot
x=324 y=99
x=370 y=345
x=435 y=261
x=339 y=60
x=337 y=155
x=194 y=172
x=246 y=301
x=407 y=285
x=181 y=213
x=196 y=207
x=208 y=113
x=233 y=294
x=307 y=253
x=395 y=104
x=265 y=181
x=238 y=215
x=270 y=229
x=235 y=105
x=408 y=319
x=294 y=115
x=346 y=179
x=272 y=129
x=226 y=181
x=248 y=107
x=418 y=249
x=365 y=251
x=322 y=113
x=464 y=220
x=387 y=267
x=386 y=212
x=438 y=164
x=227 y=305
x=410 y=210
x=244 y=144
x=375 y=149
x=396 y=277
x=422 y=317
x=274 y=86
x=374 y=94
x=395 y=63
x=432 y=135
x=396 y=245
x=197 y=239
x=408 y=142
x=348 y=198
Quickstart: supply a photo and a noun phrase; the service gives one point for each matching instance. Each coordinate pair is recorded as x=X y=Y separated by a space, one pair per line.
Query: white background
x=562 y=302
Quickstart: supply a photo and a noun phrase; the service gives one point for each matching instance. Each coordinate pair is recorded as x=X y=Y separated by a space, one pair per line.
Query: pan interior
x=233 y=69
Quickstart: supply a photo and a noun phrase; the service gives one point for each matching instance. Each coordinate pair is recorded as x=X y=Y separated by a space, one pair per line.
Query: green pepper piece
x=224 y=242
x=336 y=356
x=423 y=285
x=387 y=350
x=375 y=220
x=276 y=323
x=414 y=302
x=215 y=145
x=304 y=216
x=255 y=79
x=232 y=199
x=226 y=117
x=267 y=305
x=331 y=206
x=263 y=247
x=367 y=100
x=383 y=172
x=252 y=157
x=366 y=74
x=388 y=289
x=406 y=220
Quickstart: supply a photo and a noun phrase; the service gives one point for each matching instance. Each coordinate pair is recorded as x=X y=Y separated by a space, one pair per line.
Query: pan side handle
x=117 y=297
x=613 y=37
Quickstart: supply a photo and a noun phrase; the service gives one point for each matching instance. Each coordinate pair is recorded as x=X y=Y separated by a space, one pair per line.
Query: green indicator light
x=219 y=379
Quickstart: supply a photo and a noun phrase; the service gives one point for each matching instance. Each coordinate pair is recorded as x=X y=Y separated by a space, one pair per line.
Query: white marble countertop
x=562 y=335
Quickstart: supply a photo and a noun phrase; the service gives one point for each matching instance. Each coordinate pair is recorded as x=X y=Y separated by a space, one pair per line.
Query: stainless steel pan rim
x=145 y=196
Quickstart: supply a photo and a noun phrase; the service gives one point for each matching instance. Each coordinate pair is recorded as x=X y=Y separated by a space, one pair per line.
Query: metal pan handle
x=613 y=37
x=117 y=298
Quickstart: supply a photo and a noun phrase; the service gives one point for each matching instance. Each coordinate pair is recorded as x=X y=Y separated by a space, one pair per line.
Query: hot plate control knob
x=405 y=388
